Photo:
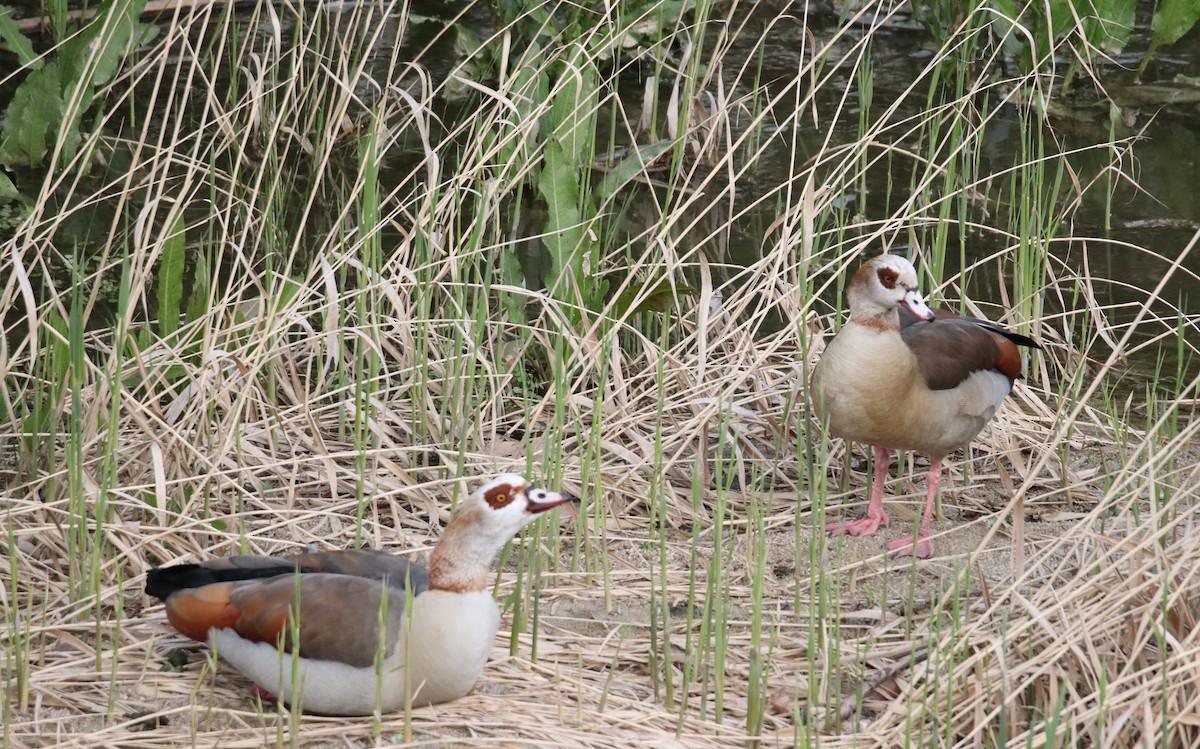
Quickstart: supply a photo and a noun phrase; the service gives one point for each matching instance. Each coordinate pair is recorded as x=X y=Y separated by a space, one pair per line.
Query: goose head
x=883 y=285
x=486 y=521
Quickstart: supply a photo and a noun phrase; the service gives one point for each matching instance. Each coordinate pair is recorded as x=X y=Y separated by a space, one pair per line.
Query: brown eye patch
x=499 y=496
x=888 y=277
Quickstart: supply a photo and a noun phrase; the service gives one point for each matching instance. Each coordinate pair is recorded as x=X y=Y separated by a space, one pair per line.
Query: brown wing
x=949 y=351
x=338 y=619
x=399 y=572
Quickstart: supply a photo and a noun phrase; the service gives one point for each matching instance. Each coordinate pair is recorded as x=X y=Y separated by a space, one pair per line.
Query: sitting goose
x=900 y=376
x=243 y=607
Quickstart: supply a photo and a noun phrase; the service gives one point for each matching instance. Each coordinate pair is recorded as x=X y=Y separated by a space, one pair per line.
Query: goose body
x=347 y=632
x=900 y=376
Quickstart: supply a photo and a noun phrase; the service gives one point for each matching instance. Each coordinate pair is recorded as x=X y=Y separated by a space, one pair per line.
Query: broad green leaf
x=572 y=114
x=511 y=274
x=657 y=296
x=36 y=108
x=285 y=292
x=92 y=57
x=1173 y=19
x=634 y=164
x=170 y=280
x=53 y=100
x=201 y=287
x=598 y=287
x=16 y=41
x=1007 y=25
x=574 y=275
x=1062 y=19
x=559 y=186
x=8 y=191
x=466 y=41
x=529 y=86
x=476 y=61
x=1114 y=21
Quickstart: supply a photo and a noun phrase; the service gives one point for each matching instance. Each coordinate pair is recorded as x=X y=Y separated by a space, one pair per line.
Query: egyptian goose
x=242 y=606
x=900 y=376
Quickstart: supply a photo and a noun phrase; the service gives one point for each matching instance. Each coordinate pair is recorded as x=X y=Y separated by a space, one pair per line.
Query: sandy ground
x=845 y=635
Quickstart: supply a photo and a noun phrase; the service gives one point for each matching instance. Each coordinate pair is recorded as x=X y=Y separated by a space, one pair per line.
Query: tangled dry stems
x=1063 y=604
x=1102 y=617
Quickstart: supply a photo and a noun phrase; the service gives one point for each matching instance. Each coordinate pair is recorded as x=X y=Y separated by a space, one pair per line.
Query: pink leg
x=875 y=516
x=264 y=695
x=903 y=547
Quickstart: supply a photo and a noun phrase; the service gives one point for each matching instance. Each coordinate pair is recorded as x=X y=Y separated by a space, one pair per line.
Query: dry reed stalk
x=238 y=441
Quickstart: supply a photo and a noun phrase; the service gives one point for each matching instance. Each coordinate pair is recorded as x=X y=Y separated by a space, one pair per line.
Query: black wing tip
x=1023 y=340
x=1017 y=338
x=161 y=582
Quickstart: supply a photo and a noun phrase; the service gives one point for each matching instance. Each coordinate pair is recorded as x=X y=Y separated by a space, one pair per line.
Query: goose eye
x=888 y=277
x=499 y=496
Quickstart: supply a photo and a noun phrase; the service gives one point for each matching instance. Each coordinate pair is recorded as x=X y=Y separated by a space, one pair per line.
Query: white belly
x=446 y=647
x=867 y=388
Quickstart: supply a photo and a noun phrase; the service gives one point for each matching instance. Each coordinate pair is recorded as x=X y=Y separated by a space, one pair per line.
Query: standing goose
x=900 y=376
x=244 y=607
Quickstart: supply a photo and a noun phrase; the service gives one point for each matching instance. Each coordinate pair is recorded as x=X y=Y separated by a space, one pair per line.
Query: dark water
x=1129 y=225
x=1125 y=234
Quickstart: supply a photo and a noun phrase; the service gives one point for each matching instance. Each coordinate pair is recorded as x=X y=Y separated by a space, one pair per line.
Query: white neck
x=462 y=560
